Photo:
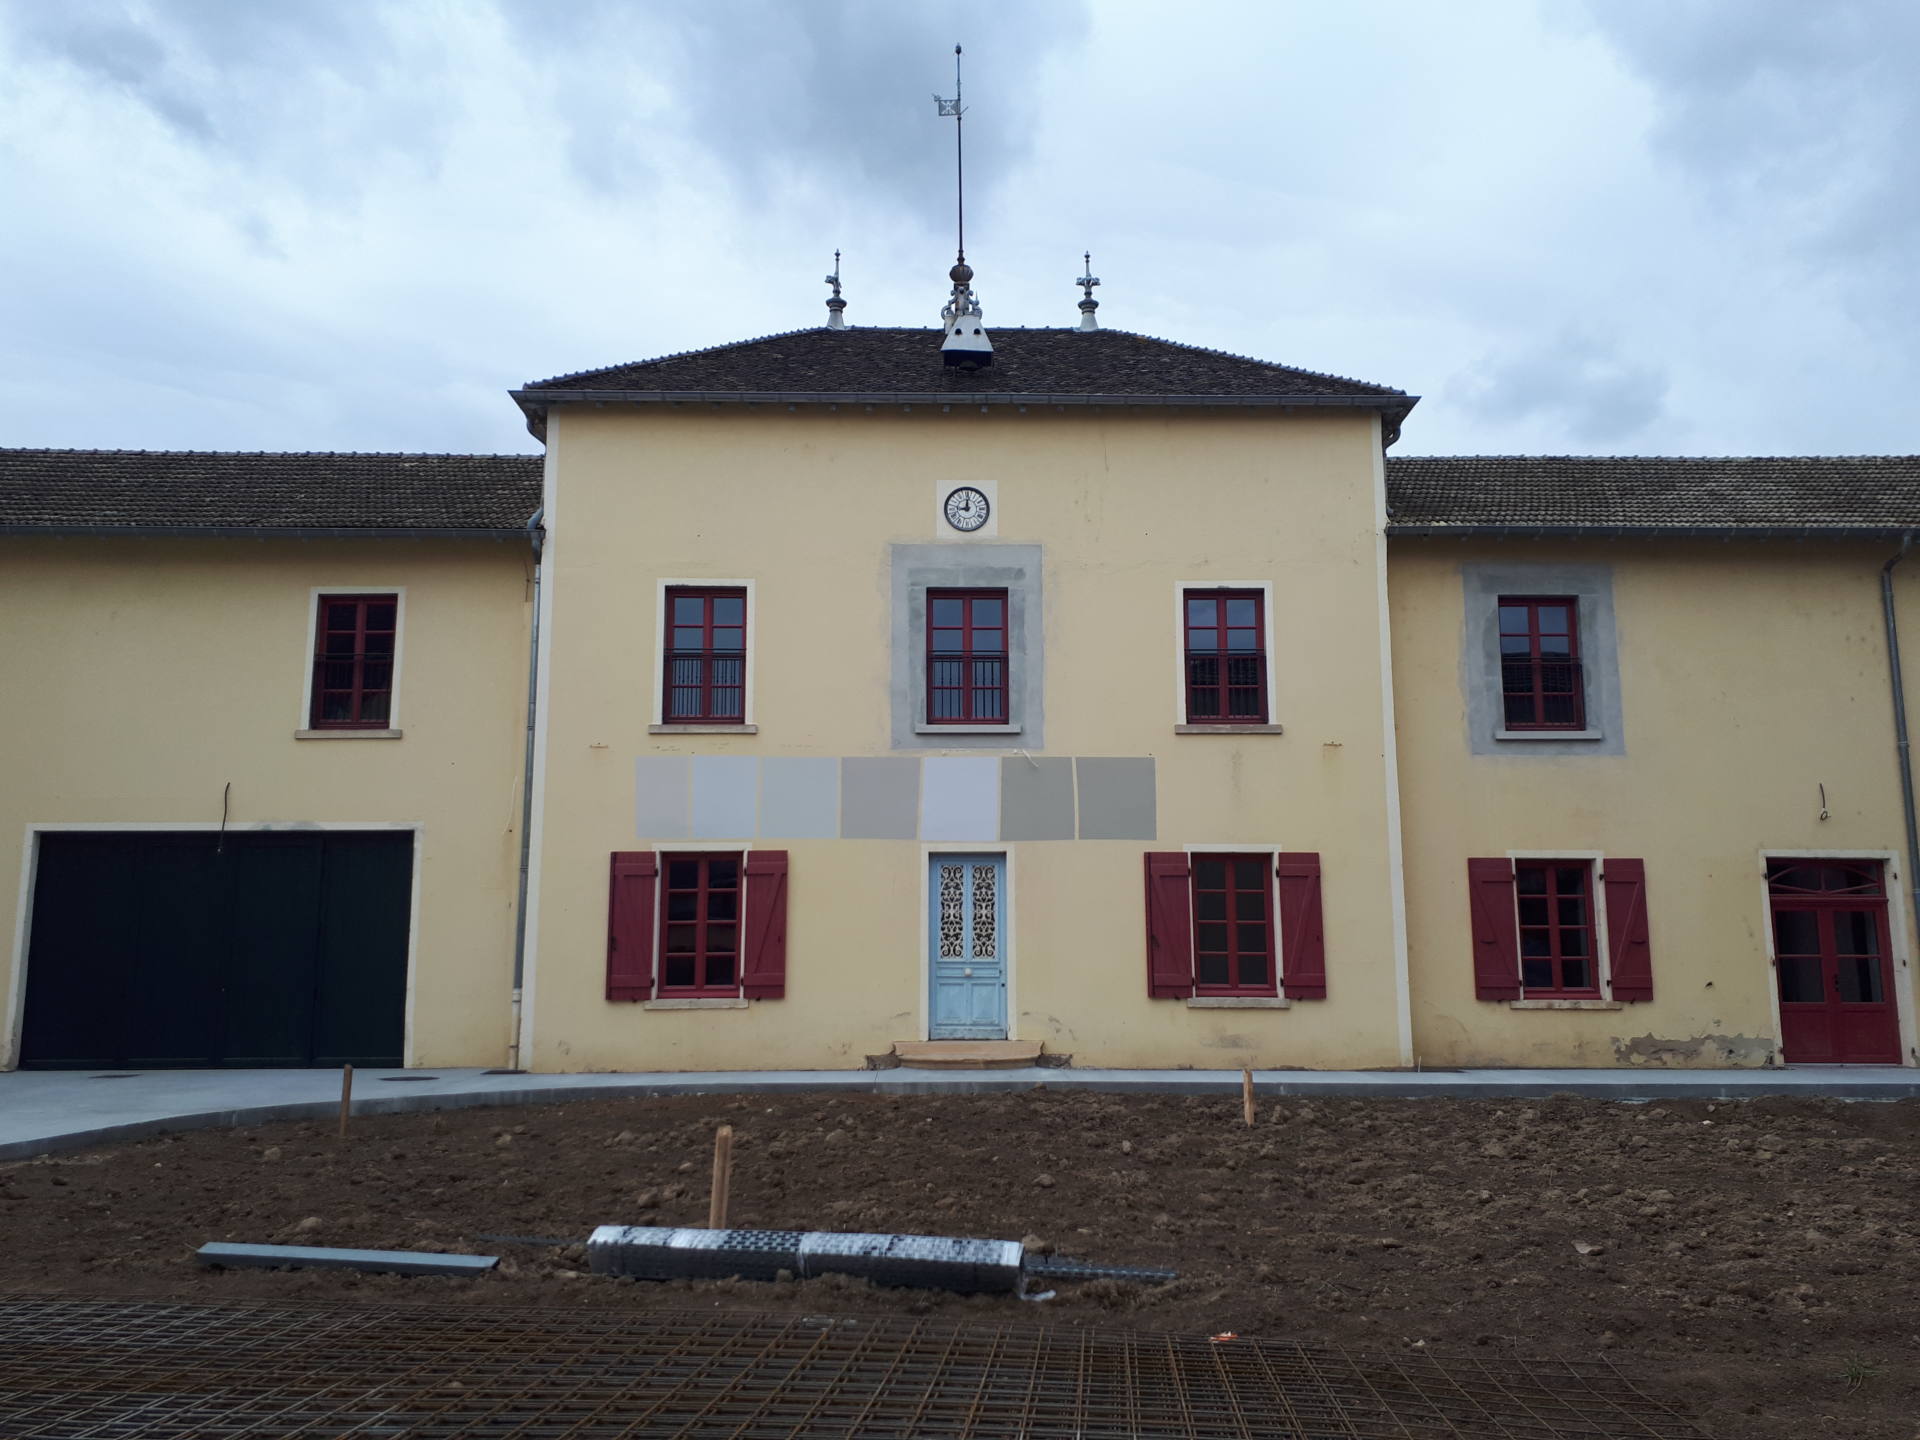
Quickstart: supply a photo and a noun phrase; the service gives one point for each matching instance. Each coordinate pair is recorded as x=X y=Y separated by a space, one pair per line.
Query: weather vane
x=958 y=111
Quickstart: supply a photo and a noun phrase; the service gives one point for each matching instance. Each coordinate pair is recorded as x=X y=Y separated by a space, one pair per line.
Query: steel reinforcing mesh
x=156 y=1370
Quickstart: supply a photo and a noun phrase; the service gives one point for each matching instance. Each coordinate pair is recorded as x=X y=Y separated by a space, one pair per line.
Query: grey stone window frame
x=916 y=569
x=1591 y=586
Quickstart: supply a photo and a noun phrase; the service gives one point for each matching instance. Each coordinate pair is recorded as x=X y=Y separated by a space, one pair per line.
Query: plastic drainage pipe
x=647 y=1252
x=536 y=538
x=1900 y=722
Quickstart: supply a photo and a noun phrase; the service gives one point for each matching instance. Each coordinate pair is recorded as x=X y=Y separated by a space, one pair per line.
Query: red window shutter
x=1496 y=930
x=1628 y=949
x=1303 y=970
x=763 y=965
x=630 y=925
x=1169 y=926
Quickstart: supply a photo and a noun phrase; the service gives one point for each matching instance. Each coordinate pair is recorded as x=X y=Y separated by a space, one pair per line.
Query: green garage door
x=165 y=948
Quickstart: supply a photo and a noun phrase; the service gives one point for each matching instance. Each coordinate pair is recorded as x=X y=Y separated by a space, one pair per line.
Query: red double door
x=1833 y=961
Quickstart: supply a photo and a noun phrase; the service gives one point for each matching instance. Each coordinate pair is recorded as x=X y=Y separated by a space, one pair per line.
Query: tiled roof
x=1652 y=493
x=145 y=490
x=863 y=361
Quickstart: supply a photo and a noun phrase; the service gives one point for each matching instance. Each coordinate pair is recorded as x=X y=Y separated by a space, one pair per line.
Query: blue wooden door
x=967 y=946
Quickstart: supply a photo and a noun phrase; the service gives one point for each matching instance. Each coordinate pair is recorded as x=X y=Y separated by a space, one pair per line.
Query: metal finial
x=1088 y=304
x=836 y=307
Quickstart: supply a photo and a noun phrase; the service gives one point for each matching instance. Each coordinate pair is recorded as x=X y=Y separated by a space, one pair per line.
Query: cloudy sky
x=1638 y=226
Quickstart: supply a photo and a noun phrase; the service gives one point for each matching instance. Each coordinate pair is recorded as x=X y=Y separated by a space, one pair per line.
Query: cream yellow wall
x=1126 y=504
x=1751 y=675
x=146 y=675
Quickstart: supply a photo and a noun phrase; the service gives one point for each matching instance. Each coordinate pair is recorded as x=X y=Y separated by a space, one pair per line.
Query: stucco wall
x=148 y=675
x=1124 y=506
x=1749 y=676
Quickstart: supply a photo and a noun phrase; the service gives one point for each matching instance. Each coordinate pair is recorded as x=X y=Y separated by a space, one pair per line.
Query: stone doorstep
x=967 y=1054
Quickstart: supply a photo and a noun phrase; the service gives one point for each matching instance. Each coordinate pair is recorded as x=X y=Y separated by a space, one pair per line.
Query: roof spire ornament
x=1088 y=304
x=836 y=307
x=967 y=344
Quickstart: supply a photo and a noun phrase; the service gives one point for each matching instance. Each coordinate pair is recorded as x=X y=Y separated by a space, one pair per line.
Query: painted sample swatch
x=660 y=797
x=725 y=796
x=960 y=798
x=800 y=797
x=1036 y=798
x=1116 y=798
x=879 y=798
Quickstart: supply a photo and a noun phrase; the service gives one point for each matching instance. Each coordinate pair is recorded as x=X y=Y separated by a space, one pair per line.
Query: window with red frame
x=966 y=657
x=1557 y=951
x=354 y=639
x=1233 y=925
x=706 y=680
x=1540 y=675
x=700 y=924
x=1226 y=658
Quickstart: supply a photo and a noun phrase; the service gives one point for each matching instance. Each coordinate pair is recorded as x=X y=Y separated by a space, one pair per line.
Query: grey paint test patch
x=914 y=569
x=1036 y=798
x=660 y=797
x=725 y=794
x=1592 y=586
x=1116 y=798
x=800 y=797
x=879 y=798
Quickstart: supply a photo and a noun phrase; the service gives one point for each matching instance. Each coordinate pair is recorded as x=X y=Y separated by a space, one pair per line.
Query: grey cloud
x=1575 y=381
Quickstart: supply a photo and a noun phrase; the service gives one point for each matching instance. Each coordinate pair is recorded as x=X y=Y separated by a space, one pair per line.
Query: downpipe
x=536 y=538
x=1901 y=744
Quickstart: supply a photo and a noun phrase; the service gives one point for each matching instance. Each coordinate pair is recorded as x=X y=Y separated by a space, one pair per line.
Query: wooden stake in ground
x=1246 y=1095
x=722 y=1177
x=346 y=1098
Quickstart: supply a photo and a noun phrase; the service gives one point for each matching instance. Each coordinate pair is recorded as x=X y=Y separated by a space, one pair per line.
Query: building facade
x=811 y=702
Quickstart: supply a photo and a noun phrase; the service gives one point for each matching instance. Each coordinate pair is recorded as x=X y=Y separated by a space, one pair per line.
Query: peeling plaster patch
x=1702 y=1052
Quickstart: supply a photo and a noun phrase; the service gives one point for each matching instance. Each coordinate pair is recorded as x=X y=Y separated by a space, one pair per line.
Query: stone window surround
x=916 y=569
x=1482 y=584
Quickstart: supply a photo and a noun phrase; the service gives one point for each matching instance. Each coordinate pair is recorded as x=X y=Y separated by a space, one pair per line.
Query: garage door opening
x=187 y=949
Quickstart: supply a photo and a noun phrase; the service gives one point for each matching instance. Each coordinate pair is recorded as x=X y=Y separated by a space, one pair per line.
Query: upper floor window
x=1226 y=657
x=967 y=657
x=1540 y=673
x=706 y=656
x=354 y=646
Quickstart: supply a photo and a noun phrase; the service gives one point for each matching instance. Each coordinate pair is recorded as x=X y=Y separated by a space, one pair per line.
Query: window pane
x=1796 y=932
x=1572 y=879
x=987 y=612
x=1535 y=942
x=380 y=617
x=1800 y=980
x=685 y=638
x=1854 y=933
x=1553 y=619
x=1250 y=874
x=725 y=672
x=1212 y=969
x=1250 y=905
x=1210 y=874
x=989 y=642
x=1573 y=912
x=377 y=675
x=1240 y=612
x=1557 y=710
x=1519 y=709
x=720 y=969
x=1536 y=974
x=683 y=874
x=689 y=610
x=727 y=703
x=1859 y=979
x=1242 y=640
x=948 y=611
x=720 y=939
x=677 y=973
x=1530 y=879
x=729 y=639
x=947 y=640
x=379 y=644
x=1202 y=612
x=336 y=707
x=723 y=873
x=1533 y=910
x=680 y=939
x=341 y=643
x=683 y=906
x=1513 y=619
x=1575 y=974
x=374 y=707
x=730 y=610
x=1207 y=640
x=1573 y=942
x=723 y=905
x=1211 y=905
x=1250 y=940
x=1556 y=648
x=1515 y=645
x=1253 y=969
x=1210 y=937
x=343 y=616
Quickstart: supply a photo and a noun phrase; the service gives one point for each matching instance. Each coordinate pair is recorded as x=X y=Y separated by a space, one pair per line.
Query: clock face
x=966 y=508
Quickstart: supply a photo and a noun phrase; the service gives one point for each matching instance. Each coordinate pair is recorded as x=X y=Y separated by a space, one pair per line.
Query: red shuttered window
x=706 y=650
x=699 y=925
x=1541 y=681
x=354 y=643
x=1226 y=657
x=1233 y=925
x=966 y=657
x=1558 y=957
x=1211 y=925
x=692 y=926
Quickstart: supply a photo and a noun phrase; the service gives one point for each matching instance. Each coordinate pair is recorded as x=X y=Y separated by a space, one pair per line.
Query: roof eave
x=267 y=532
x=1705 y=532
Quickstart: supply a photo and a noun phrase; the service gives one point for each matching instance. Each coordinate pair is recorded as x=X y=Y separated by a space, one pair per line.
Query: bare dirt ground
x=1756 y=1263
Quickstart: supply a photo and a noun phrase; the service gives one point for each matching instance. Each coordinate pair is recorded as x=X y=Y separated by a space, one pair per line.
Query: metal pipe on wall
x=536 y=537
x=1901 y=743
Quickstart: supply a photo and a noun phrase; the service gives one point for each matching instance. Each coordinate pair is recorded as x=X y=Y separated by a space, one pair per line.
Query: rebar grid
x=154 y=1370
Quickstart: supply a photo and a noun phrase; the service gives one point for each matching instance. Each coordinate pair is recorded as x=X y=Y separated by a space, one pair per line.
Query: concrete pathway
x=47 y=1110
